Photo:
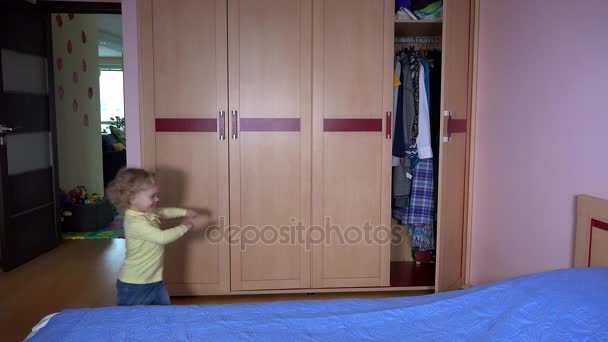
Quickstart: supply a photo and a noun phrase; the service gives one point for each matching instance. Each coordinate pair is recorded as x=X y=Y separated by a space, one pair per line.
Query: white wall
x=79 y=141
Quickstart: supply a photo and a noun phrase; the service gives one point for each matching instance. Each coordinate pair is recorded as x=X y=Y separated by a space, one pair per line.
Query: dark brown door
x=28 y=213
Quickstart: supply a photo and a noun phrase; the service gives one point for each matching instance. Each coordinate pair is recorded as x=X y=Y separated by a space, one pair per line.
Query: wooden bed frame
x=591 y=248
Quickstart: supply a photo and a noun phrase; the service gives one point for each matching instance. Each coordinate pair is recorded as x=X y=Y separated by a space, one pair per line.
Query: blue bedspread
x=565 y=305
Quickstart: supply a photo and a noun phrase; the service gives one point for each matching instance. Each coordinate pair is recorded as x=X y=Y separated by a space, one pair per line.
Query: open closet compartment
x=416 y=142
x=432 y=224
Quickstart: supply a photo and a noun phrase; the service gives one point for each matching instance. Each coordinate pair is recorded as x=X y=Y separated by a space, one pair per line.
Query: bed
x=562 y=305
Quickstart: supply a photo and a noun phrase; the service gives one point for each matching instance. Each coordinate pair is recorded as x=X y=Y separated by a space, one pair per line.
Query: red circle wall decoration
x=59 y=20
x=69 y=46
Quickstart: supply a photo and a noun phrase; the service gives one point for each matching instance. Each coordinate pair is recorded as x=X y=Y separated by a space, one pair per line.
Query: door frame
x=469 y=182
x=50 y=7
x=83 y=7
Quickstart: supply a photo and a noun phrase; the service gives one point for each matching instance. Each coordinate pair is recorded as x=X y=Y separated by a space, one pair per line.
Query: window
x=111 y=96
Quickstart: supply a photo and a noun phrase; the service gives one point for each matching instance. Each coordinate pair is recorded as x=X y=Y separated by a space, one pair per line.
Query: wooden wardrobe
x=276 y=114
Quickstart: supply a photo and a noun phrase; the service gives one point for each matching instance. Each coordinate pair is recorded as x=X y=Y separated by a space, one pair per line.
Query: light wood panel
x=146 y=84
x=352 y=189
x=420 y=28
x=353 y=38
x=271 y=191
x=195 y=263
x=599 y=253
x=269 y=54
x=455 y=92
x=387 y=143
x=270 y=67
x=183 y=53
x=185 y=57
x=352 y=79
x=591 y=245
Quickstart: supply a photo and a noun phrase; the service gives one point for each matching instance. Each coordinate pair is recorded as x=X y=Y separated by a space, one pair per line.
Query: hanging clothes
x=408 y=100
x=421 y=212
x=412 y=151
x=413 y=178
x=423 y=140
x=399 y=142
x=396 y=86
x=421 y=209
x=403 y=171
x=423 y=238
x=422 y=205
x=427 y=78
x=402 y=181
x=434 y=58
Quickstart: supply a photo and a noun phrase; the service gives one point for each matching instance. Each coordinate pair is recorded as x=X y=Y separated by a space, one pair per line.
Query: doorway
x=89 y=98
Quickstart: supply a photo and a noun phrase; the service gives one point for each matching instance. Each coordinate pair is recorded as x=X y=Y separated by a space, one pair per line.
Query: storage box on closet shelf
x=413 y=10
x=425 y=21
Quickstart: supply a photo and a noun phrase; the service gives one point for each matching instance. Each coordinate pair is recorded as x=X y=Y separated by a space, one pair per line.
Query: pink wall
x=541 y=131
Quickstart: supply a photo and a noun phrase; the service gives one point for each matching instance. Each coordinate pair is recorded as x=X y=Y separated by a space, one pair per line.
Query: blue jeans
x=142 y=294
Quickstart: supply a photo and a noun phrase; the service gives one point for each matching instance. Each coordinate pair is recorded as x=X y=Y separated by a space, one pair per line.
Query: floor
x=76 y=274
x=82 y=273
x=408 y=273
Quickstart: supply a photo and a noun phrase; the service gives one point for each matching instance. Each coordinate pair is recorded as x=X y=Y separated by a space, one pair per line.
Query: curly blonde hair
x=128 y=182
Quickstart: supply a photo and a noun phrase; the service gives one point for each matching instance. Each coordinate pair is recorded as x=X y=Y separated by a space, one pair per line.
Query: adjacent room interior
x=89 y=98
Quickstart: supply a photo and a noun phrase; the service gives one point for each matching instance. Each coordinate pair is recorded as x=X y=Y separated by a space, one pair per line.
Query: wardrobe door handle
x=222 y=121
x=389 y=125
x=453 y=126
x=234 y=123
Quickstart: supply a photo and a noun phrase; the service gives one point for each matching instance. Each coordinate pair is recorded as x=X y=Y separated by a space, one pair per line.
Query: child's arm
x=142 y=230
x=171 y=213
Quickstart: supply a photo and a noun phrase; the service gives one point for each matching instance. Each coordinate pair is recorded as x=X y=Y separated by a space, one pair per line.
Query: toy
x=79 y=195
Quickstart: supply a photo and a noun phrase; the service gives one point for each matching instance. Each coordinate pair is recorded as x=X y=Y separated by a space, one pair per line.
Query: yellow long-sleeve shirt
x=146 y=244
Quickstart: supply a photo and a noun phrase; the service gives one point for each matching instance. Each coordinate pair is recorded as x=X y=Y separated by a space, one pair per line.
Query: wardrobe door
x=352 y=99
x=183 y=51
x=270 y=142
x=456 y=85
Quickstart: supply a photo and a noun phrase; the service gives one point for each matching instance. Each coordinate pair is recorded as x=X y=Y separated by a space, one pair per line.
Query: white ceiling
x=110 y=35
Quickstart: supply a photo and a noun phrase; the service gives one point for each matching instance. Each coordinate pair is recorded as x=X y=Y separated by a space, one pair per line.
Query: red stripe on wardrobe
x=352 y=125
x=270 y=125
x=186 y=125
